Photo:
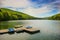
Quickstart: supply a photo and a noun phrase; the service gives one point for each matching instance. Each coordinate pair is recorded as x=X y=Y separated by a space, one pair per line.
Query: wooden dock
x=22 y=29
x=31 y=30
x=3 y=31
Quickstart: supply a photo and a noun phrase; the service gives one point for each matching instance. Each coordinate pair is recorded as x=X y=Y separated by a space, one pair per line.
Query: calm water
x=50 y=30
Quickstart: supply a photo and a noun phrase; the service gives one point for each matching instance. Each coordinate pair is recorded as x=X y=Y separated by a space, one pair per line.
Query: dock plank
x=4 y=31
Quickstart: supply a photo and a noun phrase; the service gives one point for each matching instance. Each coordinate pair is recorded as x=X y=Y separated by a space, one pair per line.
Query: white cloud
x=37 y=11
x=15 y=3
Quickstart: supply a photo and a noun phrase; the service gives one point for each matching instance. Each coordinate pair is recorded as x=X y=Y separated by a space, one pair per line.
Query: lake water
x=49 y=30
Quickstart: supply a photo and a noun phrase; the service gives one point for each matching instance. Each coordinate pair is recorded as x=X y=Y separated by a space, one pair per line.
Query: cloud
x=0 y=3
x=46 y=9
x=37 y=11
x=41 y=3
x=56 y=5
x=15 y=3
x=35 y=8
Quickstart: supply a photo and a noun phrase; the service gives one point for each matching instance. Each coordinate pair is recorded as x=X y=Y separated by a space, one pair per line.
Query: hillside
x=55 y=17
x=8 y=14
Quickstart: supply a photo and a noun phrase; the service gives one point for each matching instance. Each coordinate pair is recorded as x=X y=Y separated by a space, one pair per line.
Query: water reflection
x=6 y=24
x=49 y=30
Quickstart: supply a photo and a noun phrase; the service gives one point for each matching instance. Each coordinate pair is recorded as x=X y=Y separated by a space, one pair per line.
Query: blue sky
x=37 y=8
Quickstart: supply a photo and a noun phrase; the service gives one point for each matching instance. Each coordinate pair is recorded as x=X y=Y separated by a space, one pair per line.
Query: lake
x=49 y=30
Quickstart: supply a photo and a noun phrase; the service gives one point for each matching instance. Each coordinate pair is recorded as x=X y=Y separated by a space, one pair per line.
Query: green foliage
x=7 y=14
x=55 y=17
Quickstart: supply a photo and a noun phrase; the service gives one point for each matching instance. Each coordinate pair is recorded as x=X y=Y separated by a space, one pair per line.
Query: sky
x=37 y=8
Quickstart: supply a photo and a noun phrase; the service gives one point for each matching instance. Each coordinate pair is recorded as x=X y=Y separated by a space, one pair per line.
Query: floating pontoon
x=19 y=29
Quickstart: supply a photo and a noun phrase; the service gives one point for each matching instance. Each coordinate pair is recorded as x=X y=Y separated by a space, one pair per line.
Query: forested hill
x=8 y=14
x=55 y=17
